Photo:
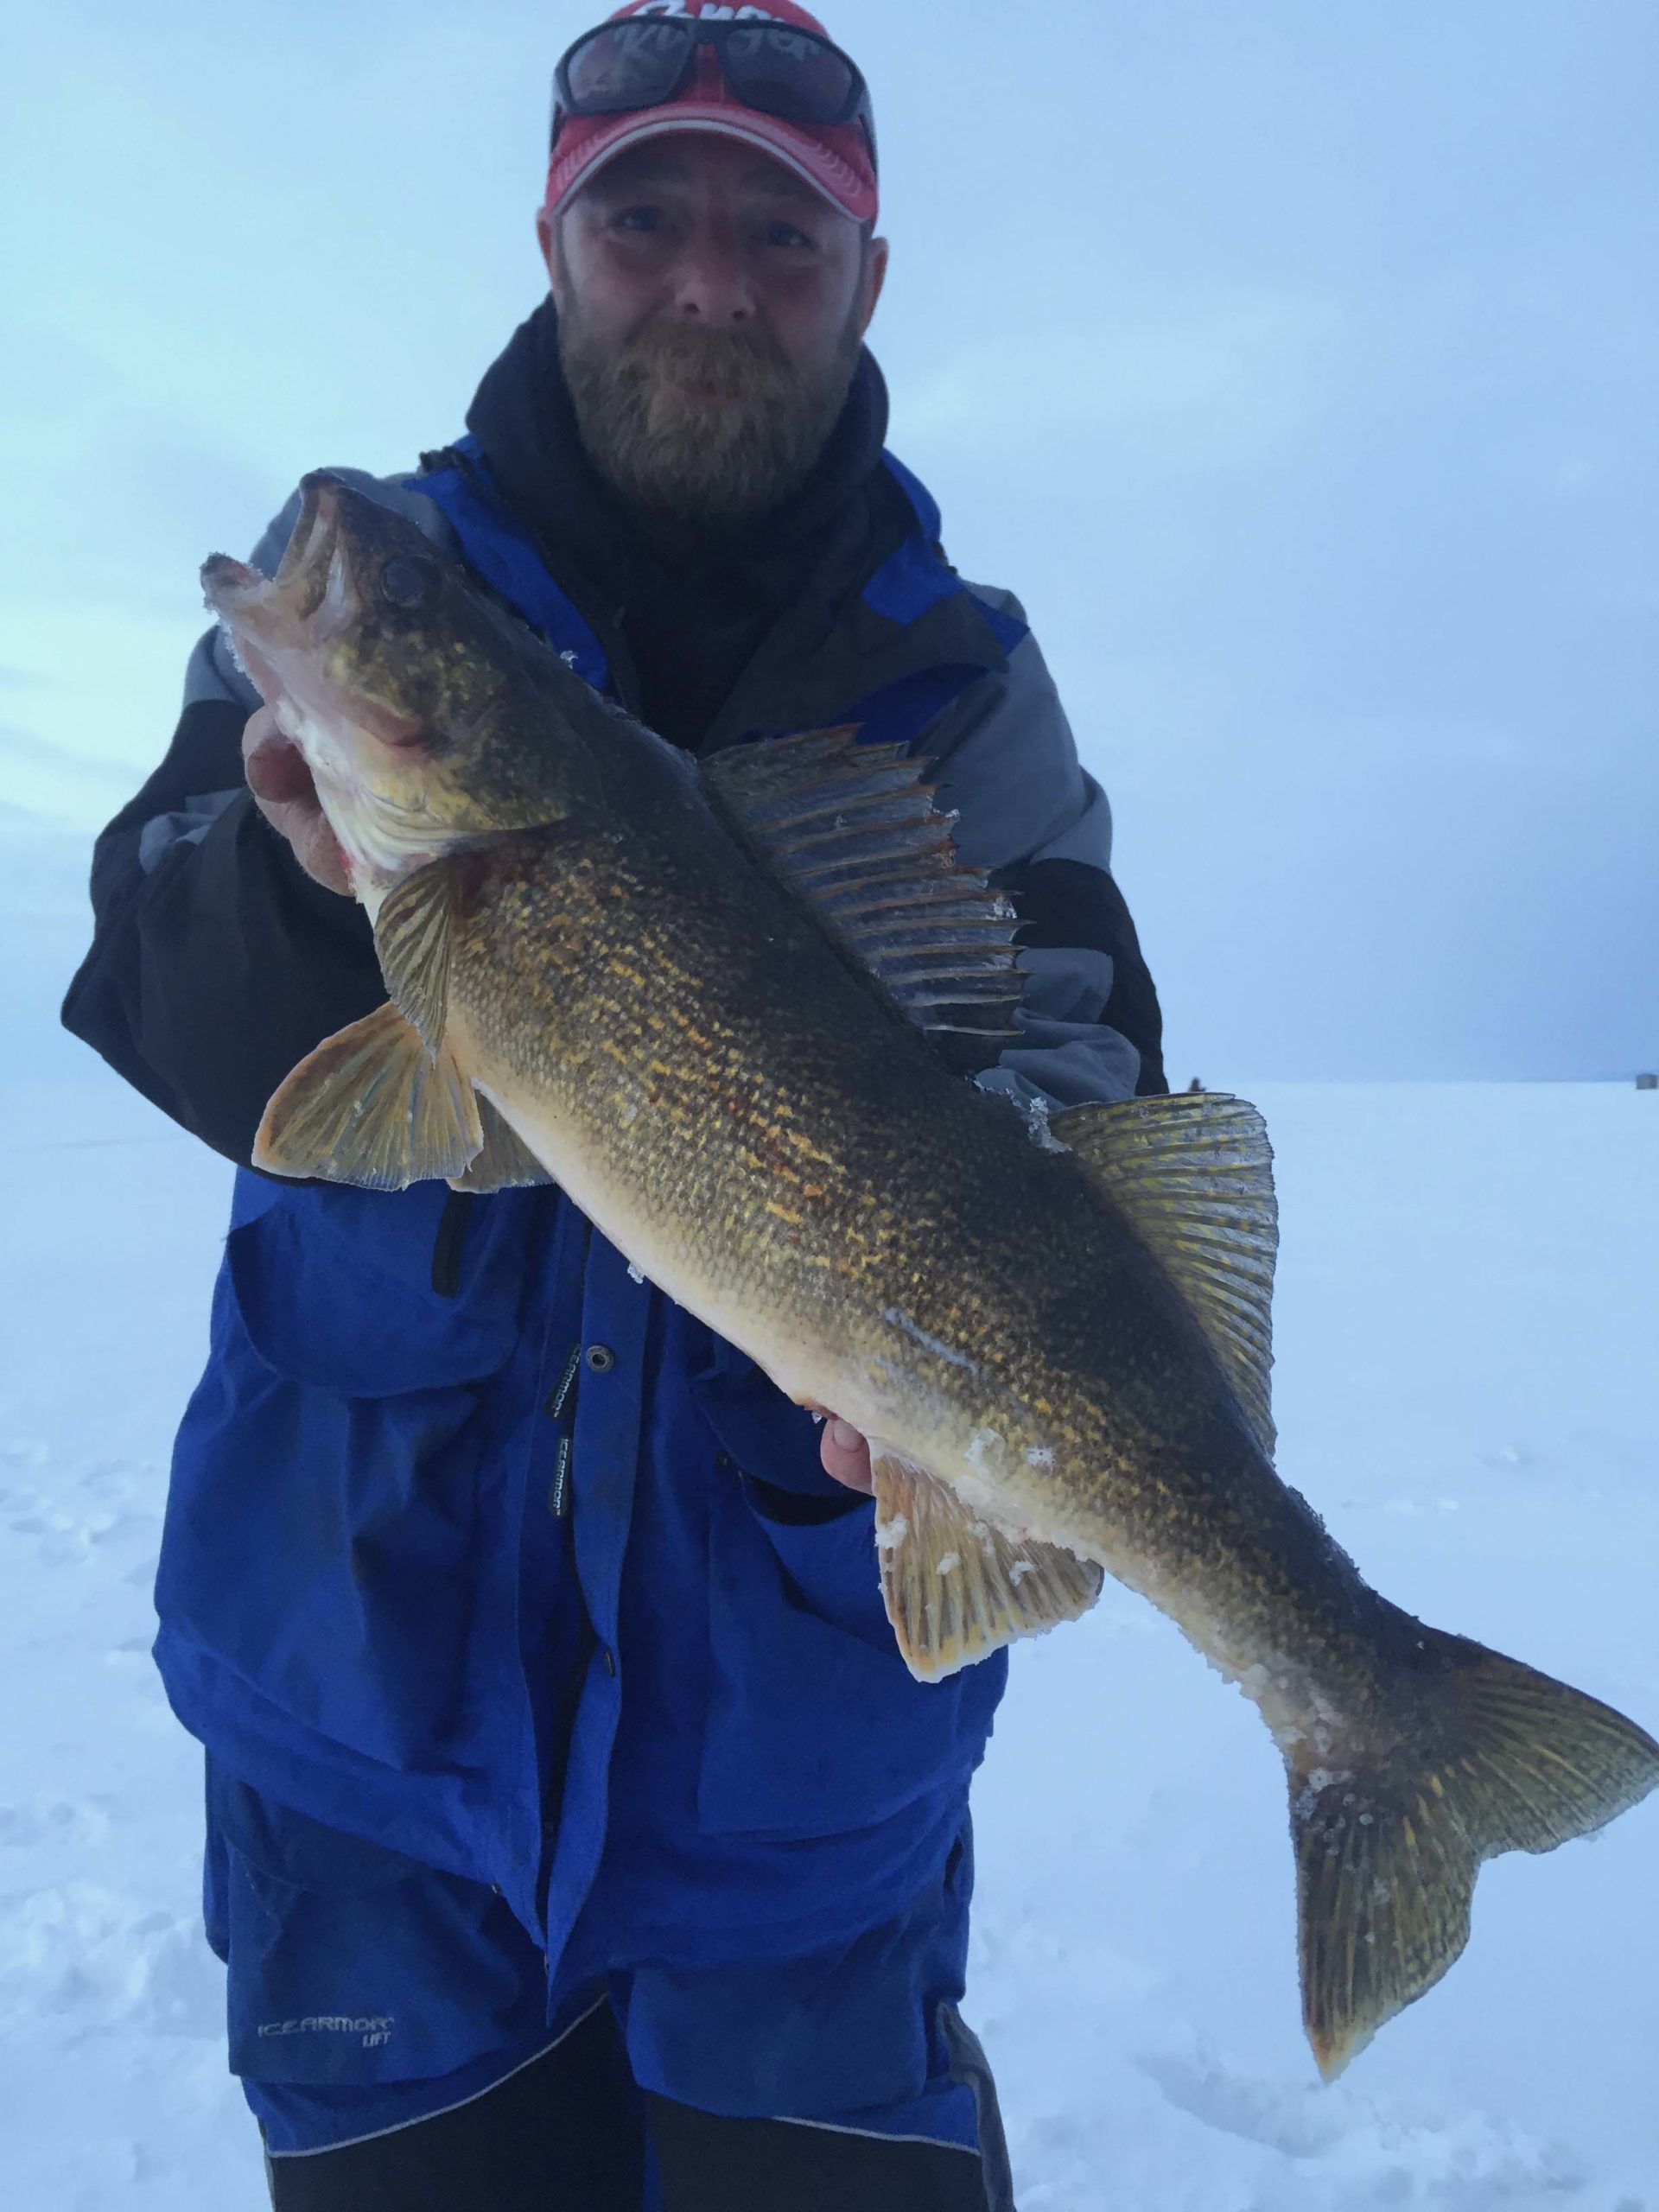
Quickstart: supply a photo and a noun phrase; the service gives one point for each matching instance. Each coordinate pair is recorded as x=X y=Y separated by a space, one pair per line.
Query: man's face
x=711 y=307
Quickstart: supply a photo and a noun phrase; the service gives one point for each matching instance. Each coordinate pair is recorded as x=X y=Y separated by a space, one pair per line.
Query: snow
x=1466 y=1329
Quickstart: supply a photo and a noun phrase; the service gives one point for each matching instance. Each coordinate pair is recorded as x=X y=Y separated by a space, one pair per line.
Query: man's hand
x=285 y=794
x=846 y=1454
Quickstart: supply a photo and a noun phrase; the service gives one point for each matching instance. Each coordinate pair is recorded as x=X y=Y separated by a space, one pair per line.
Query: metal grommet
x=600 y=1358
x=609 y=1658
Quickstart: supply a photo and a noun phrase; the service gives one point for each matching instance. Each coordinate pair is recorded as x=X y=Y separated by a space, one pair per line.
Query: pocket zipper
x=560 y=1405
x=447 y=1246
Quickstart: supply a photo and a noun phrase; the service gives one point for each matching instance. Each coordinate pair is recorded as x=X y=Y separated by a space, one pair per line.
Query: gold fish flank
x=658 y=985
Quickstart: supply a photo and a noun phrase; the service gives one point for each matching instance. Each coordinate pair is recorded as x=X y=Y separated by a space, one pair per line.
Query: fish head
x=428 y=714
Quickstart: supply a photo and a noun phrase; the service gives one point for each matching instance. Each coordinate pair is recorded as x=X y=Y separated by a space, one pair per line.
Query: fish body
x=699 y=998
x=735 y=1108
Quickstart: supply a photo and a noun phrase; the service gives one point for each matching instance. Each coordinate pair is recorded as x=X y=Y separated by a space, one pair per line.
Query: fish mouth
x=311 y=598
x=299 y=609
x=280 y=627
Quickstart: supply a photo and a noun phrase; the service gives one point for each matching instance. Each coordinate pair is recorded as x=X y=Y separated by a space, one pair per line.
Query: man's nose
x=711 y=284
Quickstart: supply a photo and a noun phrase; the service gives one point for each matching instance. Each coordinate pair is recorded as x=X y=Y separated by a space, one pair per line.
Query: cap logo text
x=706 y=12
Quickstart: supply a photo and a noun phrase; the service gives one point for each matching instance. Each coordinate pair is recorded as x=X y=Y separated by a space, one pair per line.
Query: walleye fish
x=729 y=1006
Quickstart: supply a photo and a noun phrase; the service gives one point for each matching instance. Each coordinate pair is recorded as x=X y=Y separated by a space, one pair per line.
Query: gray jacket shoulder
x=1008 y=765
x=211 y=671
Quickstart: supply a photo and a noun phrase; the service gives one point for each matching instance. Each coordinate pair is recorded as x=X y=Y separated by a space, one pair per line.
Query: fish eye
x=406 y=581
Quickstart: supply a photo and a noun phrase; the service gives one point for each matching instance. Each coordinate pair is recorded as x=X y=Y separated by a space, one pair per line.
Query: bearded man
x=576 y=1837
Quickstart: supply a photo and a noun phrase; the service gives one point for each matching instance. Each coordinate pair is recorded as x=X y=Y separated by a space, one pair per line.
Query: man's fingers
x=286 y=795
x=846 y=1455
x=319 y=853
x=259 y=730
x=275 y=767
x=278 y=774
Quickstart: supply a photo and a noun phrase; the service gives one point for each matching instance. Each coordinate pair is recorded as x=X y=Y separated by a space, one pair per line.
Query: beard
x=701 y=428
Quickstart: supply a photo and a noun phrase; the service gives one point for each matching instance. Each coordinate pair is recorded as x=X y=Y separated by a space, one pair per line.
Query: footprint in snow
x=95 y=1959
x=120 y=1479
x=52 y=1821
x=68 y=1539
x=1380 y=2152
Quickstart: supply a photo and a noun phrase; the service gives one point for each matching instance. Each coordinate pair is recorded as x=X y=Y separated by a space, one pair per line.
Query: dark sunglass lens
x=633 y=65
x=783 y=74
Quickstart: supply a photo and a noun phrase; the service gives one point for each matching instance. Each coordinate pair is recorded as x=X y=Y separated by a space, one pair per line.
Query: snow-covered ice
x=1466 y=1389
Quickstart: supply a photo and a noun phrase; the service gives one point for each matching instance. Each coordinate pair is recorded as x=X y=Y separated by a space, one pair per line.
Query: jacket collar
x=524 y=419
x=828 y=645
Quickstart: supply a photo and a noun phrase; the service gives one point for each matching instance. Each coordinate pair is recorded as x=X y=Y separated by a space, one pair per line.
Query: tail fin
x=1387 y=1856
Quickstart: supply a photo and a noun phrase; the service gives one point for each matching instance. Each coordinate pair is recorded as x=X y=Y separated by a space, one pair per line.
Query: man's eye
x=645 y=220
x=786 y=234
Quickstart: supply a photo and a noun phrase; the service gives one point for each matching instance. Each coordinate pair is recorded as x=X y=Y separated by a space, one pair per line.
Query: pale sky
x=1295 y=361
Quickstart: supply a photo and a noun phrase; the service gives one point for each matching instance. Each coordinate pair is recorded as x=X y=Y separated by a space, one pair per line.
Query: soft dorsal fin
x=412 y=938
x=852 y=832
x=371 y=1106
x=1193 y=1174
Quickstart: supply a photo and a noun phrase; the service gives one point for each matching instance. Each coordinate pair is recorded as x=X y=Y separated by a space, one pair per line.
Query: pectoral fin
x=957 y=1588
x=372 y=1107
x=412 y=937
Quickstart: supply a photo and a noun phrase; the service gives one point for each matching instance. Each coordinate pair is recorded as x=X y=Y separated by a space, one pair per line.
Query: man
x=574 y=1831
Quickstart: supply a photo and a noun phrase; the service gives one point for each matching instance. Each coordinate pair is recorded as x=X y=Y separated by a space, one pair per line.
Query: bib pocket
x=350 y=1964
x=815 y=1727
x=329 y=1478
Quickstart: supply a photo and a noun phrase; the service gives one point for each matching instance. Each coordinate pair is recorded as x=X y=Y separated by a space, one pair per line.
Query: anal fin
x=957 y=1587
x=506 y=1163
x=371 y=1106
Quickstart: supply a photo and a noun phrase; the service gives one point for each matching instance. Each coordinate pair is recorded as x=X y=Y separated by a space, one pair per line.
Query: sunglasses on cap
x=646 y=61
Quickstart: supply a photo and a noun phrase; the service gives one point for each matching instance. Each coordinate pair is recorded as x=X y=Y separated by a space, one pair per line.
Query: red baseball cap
x=837 y=159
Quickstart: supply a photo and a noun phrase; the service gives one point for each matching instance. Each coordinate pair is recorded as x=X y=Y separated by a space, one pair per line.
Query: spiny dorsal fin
x=412 y=937
x=371 y=1106
x=506 y=1163
x=851 y=831
x=957 y=1587
x=1194 y=1175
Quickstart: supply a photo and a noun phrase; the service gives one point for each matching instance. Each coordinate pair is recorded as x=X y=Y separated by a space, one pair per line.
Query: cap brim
x=834 y=178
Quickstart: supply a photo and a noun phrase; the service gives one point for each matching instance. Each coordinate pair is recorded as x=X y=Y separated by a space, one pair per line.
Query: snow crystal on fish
x=986 y=1452
x=1036 y=1111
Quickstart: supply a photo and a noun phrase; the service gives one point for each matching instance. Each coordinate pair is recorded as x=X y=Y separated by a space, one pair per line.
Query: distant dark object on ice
x=1647 y=1082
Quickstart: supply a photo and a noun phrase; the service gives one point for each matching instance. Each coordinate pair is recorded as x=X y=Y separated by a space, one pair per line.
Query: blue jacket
x=479 y=1554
